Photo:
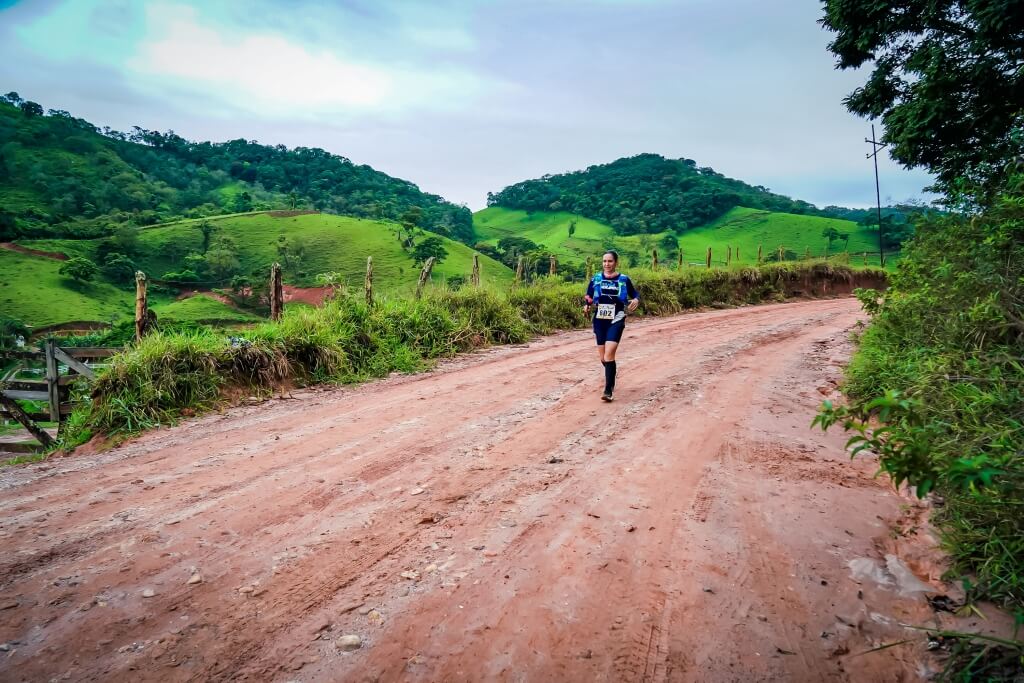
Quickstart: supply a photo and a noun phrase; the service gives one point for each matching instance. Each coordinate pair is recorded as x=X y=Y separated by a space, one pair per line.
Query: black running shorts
x=608 y=331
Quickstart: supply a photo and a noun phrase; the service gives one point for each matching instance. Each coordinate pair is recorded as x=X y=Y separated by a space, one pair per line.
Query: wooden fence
x=63 y=366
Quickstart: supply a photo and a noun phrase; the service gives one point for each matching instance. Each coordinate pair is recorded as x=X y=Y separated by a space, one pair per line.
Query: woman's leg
x=608 y=350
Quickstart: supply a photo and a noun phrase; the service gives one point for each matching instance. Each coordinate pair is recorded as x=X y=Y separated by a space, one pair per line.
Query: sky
x=466 y=97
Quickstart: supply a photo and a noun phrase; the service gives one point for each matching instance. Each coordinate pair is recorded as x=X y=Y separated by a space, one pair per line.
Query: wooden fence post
x=728 y=256
x=276 y=292
x=424 y=276
x=590 y=269
x=865 y=255
x=519 y=270
x=680 y=265
x=368 y=284
x=709 y=257
x=782 y=254
x=737 y=254
x=474 y=278
x=759 y=259
x=807 y=253
x=53 y=372
x=654 y=259
x=140 y=305
x=552 y=265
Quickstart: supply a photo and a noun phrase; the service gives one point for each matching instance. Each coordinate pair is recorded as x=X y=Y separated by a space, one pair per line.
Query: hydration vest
x=599 y=279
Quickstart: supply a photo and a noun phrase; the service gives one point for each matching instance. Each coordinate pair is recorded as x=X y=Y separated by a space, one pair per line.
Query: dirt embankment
x=492 y=520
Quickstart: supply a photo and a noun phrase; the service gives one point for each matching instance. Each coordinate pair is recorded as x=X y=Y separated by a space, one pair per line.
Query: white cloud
x=272 y=75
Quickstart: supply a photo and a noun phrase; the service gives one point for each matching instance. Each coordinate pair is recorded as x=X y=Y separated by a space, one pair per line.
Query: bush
x=941 y=368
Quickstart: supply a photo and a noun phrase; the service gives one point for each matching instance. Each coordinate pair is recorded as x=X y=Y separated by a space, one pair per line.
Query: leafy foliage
x=78 y=268
x=946 y=81
x=431 y=247
x=10 y=330
x=937 y=385
x=643 y=194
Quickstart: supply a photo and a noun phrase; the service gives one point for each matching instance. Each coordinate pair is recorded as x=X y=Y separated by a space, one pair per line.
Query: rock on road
x=489 y=520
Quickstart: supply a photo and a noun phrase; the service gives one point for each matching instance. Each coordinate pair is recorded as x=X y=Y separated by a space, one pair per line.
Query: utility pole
x=877 y=147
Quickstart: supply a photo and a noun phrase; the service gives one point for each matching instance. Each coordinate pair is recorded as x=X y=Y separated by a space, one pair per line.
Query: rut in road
x=489 y=520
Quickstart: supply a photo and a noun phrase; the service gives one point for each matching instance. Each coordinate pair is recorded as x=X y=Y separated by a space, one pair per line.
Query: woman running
x=613 y=295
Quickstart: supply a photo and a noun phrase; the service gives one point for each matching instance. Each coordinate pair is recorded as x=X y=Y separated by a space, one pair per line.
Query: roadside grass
x=173 y=373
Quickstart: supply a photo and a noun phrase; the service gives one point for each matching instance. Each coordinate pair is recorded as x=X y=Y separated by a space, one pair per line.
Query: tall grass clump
x=346 y=340
x=942 y=368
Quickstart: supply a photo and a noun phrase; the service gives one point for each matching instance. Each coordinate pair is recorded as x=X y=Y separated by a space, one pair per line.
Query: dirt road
x=491 y=520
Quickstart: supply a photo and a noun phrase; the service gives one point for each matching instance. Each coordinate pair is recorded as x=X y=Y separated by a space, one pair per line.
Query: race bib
x=605 y=311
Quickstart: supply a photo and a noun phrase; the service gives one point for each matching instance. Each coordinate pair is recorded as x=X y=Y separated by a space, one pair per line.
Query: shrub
x=941 y=368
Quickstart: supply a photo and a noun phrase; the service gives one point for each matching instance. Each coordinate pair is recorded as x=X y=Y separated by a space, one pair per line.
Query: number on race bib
x=605 y=311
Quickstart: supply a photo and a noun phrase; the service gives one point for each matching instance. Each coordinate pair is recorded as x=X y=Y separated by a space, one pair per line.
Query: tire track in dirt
x=299 y=515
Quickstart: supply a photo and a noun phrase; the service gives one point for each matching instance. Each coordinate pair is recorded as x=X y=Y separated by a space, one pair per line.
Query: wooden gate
x=63 y=366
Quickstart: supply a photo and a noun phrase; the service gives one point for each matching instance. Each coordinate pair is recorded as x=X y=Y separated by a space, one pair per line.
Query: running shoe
x=607 y=397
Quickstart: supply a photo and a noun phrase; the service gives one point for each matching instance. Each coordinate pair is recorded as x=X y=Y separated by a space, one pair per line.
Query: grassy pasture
x=200 y=309
x=332 y=243
x=741 y=228
x=31 y=290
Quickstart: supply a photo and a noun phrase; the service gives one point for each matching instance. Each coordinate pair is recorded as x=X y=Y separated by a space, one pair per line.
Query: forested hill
x=61 y=176
x=644 y=194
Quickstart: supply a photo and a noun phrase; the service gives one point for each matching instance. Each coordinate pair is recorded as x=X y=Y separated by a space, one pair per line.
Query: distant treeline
x=648 y=193
x=61 y=176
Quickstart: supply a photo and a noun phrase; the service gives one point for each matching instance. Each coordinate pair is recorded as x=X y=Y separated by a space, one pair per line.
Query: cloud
x=273 y=75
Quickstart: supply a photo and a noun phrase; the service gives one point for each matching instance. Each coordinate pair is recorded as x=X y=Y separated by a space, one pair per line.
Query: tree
x=10 y=330
x=572 y=227
x=242 y=202
x=206 y=227
x=831 y=234
x=411 y=219
x=79 y=268
x=669 y=244
x=432 y=246
x=947 y=82
x=8 y=227
x=29 y=108
x=118 y=268
x=12 y=98
x=126 y=238
x=222 y=259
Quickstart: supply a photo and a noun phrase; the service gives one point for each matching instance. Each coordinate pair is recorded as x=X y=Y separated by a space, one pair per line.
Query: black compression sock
x=609 y=376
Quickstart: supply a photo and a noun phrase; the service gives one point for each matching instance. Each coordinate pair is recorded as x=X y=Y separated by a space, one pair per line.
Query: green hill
x=646 y=193
x=34 y=293
x=62 y=176
x=741 y=228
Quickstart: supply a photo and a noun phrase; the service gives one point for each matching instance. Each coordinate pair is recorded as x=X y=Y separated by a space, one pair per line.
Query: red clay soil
x=490 y=520
x=11 y=246
x=314 y=296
